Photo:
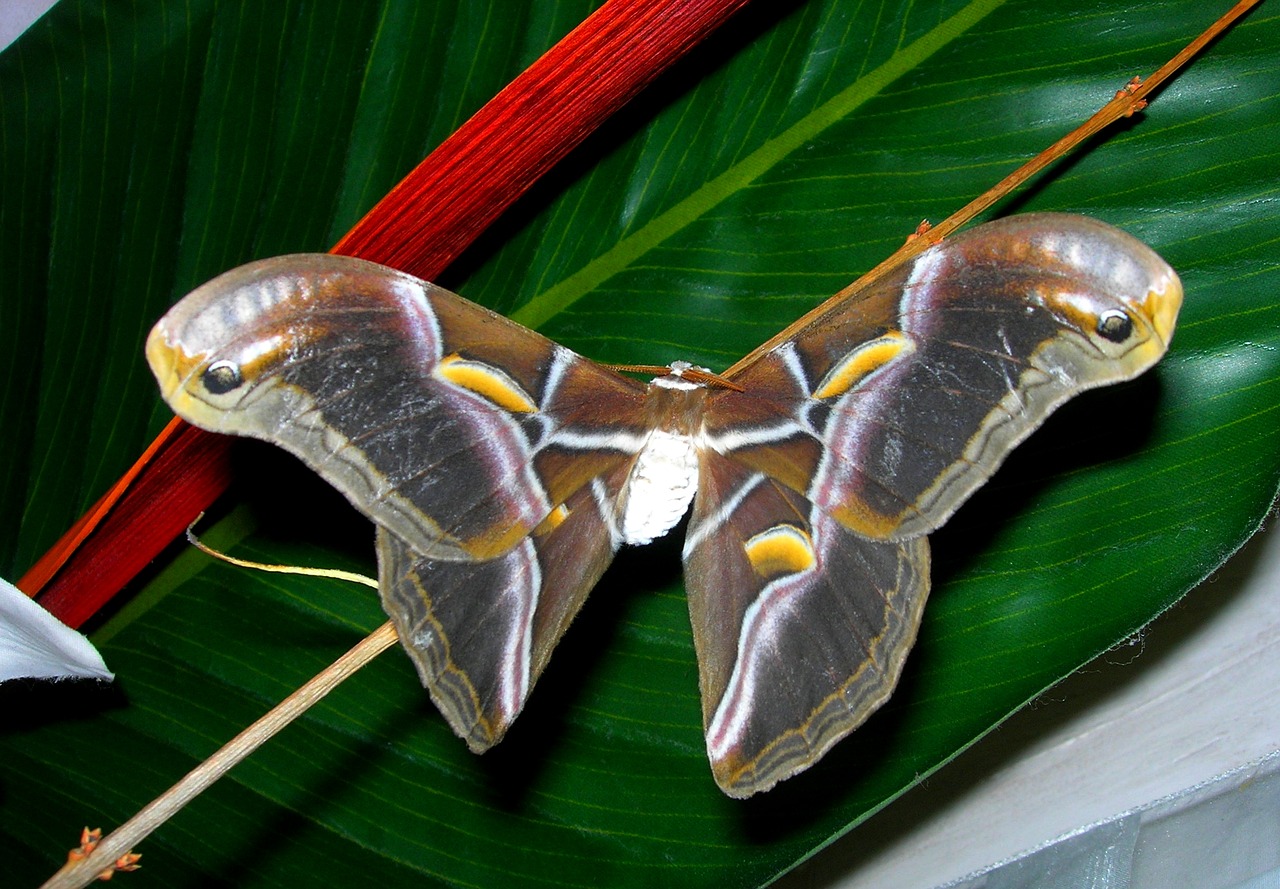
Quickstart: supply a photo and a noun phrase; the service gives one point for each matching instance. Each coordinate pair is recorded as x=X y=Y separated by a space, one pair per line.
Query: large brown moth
x=503 y=471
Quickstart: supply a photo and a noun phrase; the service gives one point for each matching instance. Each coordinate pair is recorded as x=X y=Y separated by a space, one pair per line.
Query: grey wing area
x=807 y=563
x=913 y=392
x=490 y=458
x=430 y=413
x=801 y=626
x=480 y=633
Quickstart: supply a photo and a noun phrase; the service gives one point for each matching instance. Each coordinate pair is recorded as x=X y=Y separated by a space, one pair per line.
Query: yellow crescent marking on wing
x=497 y=542
x=866 y=358
x=486 y=381
x=554 y=520
x=783 y=549
x=860 y=518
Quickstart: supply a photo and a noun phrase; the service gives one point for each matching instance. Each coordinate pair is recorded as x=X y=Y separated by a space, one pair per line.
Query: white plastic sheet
x=1223 y=834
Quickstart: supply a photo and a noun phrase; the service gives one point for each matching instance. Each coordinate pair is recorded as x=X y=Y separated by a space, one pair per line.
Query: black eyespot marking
x=221 y=377
x=1115 y=326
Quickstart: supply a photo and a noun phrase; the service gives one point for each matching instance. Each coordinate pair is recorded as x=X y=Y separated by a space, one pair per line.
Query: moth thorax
x=660 y=488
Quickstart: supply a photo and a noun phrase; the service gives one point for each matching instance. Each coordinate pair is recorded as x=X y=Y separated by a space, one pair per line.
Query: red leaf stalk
x=438 y=210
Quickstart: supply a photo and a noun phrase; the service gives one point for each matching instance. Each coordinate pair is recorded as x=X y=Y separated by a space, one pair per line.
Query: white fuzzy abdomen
x=660 y=488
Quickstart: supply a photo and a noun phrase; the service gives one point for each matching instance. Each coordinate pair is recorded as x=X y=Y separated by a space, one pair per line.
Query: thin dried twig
x=332 y=573
x=1127 y=101
x=127 y=836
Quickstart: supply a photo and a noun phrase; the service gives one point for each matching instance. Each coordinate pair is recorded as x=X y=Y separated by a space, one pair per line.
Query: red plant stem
x=428 y=219
x=187 y=470
x=421 y=226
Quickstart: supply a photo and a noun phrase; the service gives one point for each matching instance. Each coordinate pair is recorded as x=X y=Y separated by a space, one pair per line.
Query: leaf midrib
x=561 y=296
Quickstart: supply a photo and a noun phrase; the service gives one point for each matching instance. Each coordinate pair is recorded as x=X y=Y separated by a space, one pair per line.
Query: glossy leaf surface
x=147 y=150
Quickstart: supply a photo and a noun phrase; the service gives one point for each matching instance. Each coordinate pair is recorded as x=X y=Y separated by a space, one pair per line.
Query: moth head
x=683 y=375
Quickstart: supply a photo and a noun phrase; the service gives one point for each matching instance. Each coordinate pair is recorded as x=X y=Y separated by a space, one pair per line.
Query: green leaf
x=147 y=147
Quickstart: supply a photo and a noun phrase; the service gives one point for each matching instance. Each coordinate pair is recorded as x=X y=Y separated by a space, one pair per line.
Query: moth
x=504 y=471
